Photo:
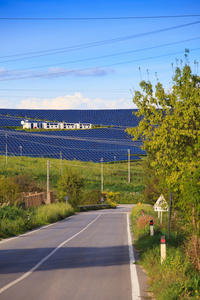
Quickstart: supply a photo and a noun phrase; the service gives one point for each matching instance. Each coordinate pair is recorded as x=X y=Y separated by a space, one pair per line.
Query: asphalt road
x=86 y=256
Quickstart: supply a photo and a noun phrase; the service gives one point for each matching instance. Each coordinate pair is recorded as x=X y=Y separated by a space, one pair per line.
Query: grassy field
x=115 y=175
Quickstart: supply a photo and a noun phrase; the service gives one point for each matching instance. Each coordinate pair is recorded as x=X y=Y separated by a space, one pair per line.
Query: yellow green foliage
x=113 y=196
x=8 y=190
x=170 y=131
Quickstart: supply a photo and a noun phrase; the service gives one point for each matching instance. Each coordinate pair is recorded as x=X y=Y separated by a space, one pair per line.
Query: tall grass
x=175 y=278
x=15 y=220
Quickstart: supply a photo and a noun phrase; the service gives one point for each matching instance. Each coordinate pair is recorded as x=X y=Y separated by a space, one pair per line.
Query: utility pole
x=48 y=191
x=20 y=147
x=21 y=156
x=102 y=175
x=129 y=169
x=6 y=150
x=61 y=165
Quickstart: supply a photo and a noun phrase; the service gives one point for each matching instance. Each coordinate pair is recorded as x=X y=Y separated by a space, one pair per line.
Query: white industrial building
x=27 y=124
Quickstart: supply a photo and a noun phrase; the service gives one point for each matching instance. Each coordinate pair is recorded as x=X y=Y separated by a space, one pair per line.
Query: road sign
x=67 y=199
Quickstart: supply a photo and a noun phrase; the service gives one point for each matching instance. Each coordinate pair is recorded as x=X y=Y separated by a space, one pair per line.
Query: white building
x=27 y=124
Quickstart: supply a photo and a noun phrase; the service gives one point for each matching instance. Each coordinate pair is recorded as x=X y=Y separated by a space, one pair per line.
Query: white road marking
x=133 y=271
x=44 y=259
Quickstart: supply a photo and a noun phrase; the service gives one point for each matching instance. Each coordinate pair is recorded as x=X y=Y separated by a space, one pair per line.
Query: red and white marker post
x=151 y=228
x=163 y=249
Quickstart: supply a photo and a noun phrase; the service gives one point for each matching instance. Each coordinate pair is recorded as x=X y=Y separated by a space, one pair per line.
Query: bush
x=26 y=183
x=125 y=197
x=70 y=184
x=8 y=190
x=91 y=197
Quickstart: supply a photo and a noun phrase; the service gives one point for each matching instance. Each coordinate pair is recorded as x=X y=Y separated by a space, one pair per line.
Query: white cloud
x=5 y=104
x=76 y=101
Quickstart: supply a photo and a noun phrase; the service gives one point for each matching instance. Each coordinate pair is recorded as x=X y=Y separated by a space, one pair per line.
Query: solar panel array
x=116 y=117
x=86 y=145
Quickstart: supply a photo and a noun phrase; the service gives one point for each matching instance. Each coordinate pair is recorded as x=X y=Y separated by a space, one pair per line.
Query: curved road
x=86 y=256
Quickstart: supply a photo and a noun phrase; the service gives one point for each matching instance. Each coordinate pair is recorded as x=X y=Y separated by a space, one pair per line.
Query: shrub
x=114 y=196
x=91 y=197
x=26 y=183
x=8 y=190
x=70 y=184
x=143 y=221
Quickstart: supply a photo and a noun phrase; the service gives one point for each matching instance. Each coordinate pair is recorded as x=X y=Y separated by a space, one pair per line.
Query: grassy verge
x=175 y=278
x=115 y=175
x=15 y=220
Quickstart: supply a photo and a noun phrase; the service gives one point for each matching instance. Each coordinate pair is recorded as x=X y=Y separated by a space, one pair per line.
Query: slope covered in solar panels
x=116 y=117
x=9 y=121
x=85 y=145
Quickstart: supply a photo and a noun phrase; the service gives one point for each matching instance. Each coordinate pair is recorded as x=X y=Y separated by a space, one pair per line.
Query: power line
x=104 y=56
x=93 y=18
x=95 y=44
x=65 y=90
x=63 y=73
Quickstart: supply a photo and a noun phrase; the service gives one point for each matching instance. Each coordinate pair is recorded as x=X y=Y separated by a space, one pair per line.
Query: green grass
x=115 y=174
x=14 y=220
x=175 y=278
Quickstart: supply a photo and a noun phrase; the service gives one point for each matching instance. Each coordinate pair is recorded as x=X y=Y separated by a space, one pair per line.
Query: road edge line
x=133 y=271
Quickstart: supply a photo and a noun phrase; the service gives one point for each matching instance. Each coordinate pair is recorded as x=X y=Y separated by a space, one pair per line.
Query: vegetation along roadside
x=176 y=278
x=170 y=131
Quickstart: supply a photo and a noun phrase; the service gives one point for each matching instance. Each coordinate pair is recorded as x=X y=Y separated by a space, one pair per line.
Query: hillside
x=111 y=144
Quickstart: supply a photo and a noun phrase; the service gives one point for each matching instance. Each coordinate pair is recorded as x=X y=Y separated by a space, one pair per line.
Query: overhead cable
x=104 y=56
x=94 y=18
x=95 y=44
x=67 y=72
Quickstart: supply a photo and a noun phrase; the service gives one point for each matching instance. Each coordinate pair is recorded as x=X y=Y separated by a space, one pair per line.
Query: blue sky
x=90 y=60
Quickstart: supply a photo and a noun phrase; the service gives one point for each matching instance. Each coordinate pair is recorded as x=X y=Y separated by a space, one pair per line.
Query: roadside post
x=151 y=228
x=67 y=199
x=102 y=200
x=163 y=249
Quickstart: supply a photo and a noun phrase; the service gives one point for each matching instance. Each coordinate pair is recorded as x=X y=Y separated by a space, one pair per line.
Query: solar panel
x=86 y=145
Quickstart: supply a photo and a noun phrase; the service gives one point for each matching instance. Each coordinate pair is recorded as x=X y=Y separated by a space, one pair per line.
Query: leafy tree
x=70 y=184
x=170 y=130
x=152 y=189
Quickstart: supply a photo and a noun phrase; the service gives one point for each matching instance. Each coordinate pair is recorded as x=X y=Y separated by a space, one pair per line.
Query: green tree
x=170 y=131
x=70 y=184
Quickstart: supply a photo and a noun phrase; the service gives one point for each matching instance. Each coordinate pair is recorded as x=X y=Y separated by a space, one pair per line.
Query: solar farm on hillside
x=111 y=143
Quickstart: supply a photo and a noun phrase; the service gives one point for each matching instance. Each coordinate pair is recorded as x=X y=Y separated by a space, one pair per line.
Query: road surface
x=86 y=256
